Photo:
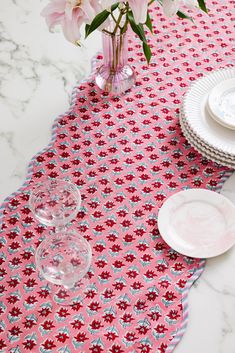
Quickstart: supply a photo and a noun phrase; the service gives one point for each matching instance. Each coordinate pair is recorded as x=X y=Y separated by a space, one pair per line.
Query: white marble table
x=37 y=73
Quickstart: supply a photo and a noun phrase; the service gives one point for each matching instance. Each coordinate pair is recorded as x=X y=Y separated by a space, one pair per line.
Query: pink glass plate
x=198 y=223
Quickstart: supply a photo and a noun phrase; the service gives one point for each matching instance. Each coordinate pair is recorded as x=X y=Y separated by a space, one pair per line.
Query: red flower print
x=118 y=264
x=146 y=258
x=145 y=348
x=137 y=285
x=43 y=293
x=109 y=204
x=29 y=345
x=110 y=336
x=130 y=337
x=169 y=296
x=62 y=312
x=151 y=296
x=47 y=325
x=111 y=237
x=81 y=337
x=31 y=300
x=14 y=202
x=128 y=238
x=129 y=177
x=119 y=198
x=123 y=305
x=119 y=285
x=161 y=267
x=15 y=331
x=138 y=213
x=13 y=220
x=116 y=349
x=127 y=318
x=108 y=317
x=162 y=348
x=132 y=274
x=164 y=283
x=48 y=344
x=30 y=283
x=77 y=324
x=140 y=232
x=95 y=325
x=126 y=223
x=101 y=263
x=108 y=293
x=178 y=266
x=160 y=246
x=3 y=272
x=12 y=235
x=122 y=213
x=142 y=329
x=110 y=222
x=93 y=204
x=172 y=255
x=40 y=159
x=28 y=235
x=15 y=312
x=161 y=328
x=173 y=315
x=62 y=337
x=99 y=247
x=181 y=283
x=94 y=306
x=140 y=305
x=96 y=348
x=12 y=299
x=105 y=275
x=142 y=247
x=29 y=323
x=27 y=255
x=28 y=220
x=116 y=248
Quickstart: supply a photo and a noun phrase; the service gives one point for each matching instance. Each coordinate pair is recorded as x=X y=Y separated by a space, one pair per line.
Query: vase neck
x=115 y=50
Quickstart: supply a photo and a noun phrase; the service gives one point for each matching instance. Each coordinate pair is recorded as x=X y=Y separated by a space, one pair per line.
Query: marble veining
x=38 y=71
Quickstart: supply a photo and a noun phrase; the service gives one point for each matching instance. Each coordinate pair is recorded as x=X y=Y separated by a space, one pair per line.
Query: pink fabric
x=126 y=155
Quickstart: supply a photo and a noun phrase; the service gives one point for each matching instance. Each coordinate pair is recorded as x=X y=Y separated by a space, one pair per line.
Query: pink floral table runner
x=126 y=155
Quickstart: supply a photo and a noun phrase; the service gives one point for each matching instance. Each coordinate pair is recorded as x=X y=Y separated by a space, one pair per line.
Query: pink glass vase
x=115 y=75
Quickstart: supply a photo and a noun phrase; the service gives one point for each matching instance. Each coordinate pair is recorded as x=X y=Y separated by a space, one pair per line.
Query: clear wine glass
x=64 y=257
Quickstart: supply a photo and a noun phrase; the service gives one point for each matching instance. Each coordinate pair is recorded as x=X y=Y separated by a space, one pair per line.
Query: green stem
x=118 y=21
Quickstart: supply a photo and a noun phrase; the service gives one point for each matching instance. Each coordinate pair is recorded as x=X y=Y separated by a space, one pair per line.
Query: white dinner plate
x=198 y=223
x=204 y=151
x=221 y=103
x=200 y=121
x=223 y=156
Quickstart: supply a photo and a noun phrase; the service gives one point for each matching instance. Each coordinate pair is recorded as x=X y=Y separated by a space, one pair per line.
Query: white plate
x=221 y=103
x=204 y=151
x=212 y=151
x=198 y=223
x=201 y=123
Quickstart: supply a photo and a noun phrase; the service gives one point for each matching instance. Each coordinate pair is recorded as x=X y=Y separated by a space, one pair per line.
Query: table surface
x=37 y=73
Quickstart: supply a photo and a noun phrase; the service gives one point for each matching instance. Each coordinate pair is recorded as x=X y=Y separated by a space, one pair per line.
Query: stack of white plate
x=208 y=116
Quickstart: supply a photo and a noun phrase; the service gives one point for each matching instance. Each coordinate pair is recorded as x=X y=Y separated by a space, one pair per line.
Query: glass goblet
x=64 y=257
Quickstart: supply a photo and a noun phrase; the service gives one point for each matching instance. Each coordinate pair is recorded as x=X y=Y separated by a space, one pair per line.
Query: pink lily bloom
x=138 y=7
x=171 y=7
x=70 y=15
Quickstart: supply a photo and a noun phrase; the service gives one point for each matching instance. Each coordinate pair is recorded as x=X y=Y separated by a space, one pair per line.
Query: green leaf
x=98 y=20
x=149 y=23
x=202 y=5
x=138 y=29
x=147 y=52
x=183 y=15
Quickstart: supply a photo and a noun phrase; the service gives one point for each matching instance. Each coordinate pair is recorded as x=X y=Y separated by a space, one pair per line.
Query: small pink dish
x=198 y=223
